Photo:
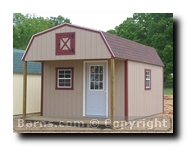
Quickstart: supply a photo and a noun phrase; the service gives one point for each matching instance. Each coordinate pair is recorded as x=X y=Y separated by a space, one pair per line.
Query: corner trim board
x=126 y=89
x=42 y=88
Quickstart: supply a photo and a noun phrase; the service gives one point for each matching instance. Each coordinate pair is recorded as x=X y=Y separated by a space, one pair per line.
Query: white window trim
x=65 y=78
x=148 y=79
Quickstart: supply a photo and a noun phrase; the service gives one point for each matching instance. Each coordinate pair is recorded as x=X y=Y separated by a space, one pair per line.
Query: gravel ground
x=159 y=124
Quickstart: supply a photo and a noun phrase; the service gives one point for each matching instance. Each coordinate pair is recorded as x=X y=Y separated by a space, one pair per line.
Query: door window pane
x=100 y=85
x=101 y=69
x=96 y=85
x=92 y=69
x=96 y=69
x=92 y=77
x=101 y=77
x=92 y=85
x=96 y=77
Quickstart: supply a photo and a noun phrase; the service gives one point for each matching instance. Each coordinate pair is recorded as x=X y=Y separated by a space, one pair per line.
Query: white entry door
x=95 y=89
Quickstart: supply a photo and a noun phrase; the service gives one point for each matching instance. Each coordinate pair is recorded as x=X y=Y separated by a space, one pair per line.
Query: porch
x=56 y=102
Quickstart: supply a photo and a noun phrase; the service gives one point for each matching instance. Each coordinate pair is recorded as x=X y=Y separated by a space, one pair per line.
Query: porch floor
x=86 y=120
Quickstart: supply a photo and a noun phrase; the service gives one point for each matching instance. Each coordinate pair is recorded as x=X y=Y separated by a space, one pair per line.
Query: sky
x=101 y=15
x=102 y=21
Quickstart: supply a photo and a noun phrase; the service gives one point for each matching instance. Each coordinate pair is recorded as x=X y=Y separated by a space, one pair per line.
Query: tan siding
x=44 y=45
x=143 y=102
x=63 y=103
x=119 y=89
x=82 y=45
x=78 y=43
x=88 y=45
x=69 y=103
x=33 y=93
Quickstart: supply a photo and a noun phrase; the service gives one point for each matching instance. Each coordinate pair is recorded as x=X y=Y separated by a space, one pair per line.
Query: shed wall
x=33 y=93
x=119 y=90
x=69 y=103
x=88 y=45
x=143 y=102
x=62 y=103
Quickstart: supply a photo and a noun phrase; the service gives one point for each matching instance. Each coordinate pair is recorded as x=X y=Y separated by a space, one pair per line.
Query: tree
x=58 y=20
x=151 y=29
x=24 y=26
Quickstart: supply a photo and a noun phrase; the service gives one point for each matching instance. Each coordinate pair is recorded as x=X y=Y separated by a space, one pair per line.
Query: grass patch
x=168 y=89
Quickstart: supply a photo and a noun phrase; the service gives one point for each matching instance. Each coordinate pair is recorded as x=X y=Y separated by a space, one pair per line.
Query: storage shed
x=88 y=73
x=33 y=85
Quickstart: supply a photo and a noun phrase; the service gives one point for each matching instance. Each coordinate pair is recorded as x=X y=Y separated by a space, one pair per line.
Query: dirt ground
x=157 y=124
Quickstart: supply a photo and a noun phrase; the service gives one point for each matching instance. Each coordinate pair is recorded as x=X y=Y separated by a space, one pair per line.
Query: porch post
x=112 y=91
x=24 y=88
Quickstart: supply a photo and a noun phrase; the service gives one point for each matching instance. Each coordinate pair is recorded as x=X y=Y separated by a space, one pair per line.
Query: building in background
x=33 y=84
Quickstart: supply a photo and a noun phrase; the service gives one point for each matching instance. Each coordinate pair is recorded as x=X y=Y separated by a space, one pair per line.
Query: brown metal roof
x=127 y=49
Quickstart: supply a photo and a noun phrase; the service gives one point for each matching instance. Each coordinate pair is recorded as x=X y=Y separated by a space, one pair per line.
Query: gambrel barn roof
x=117 y=46
x=127 y=49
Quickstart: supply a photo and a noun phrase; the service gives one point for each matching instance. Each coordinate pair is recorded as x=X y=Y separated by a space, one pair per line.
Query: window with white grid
x=147 y=79
x=65 y=78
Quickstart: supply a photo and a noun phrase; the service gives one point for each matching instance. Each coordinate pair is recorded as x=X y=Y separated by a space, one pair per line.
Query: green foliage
x=168 y=86
x=151 y=29
x=168 y=91
x=24 y=26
